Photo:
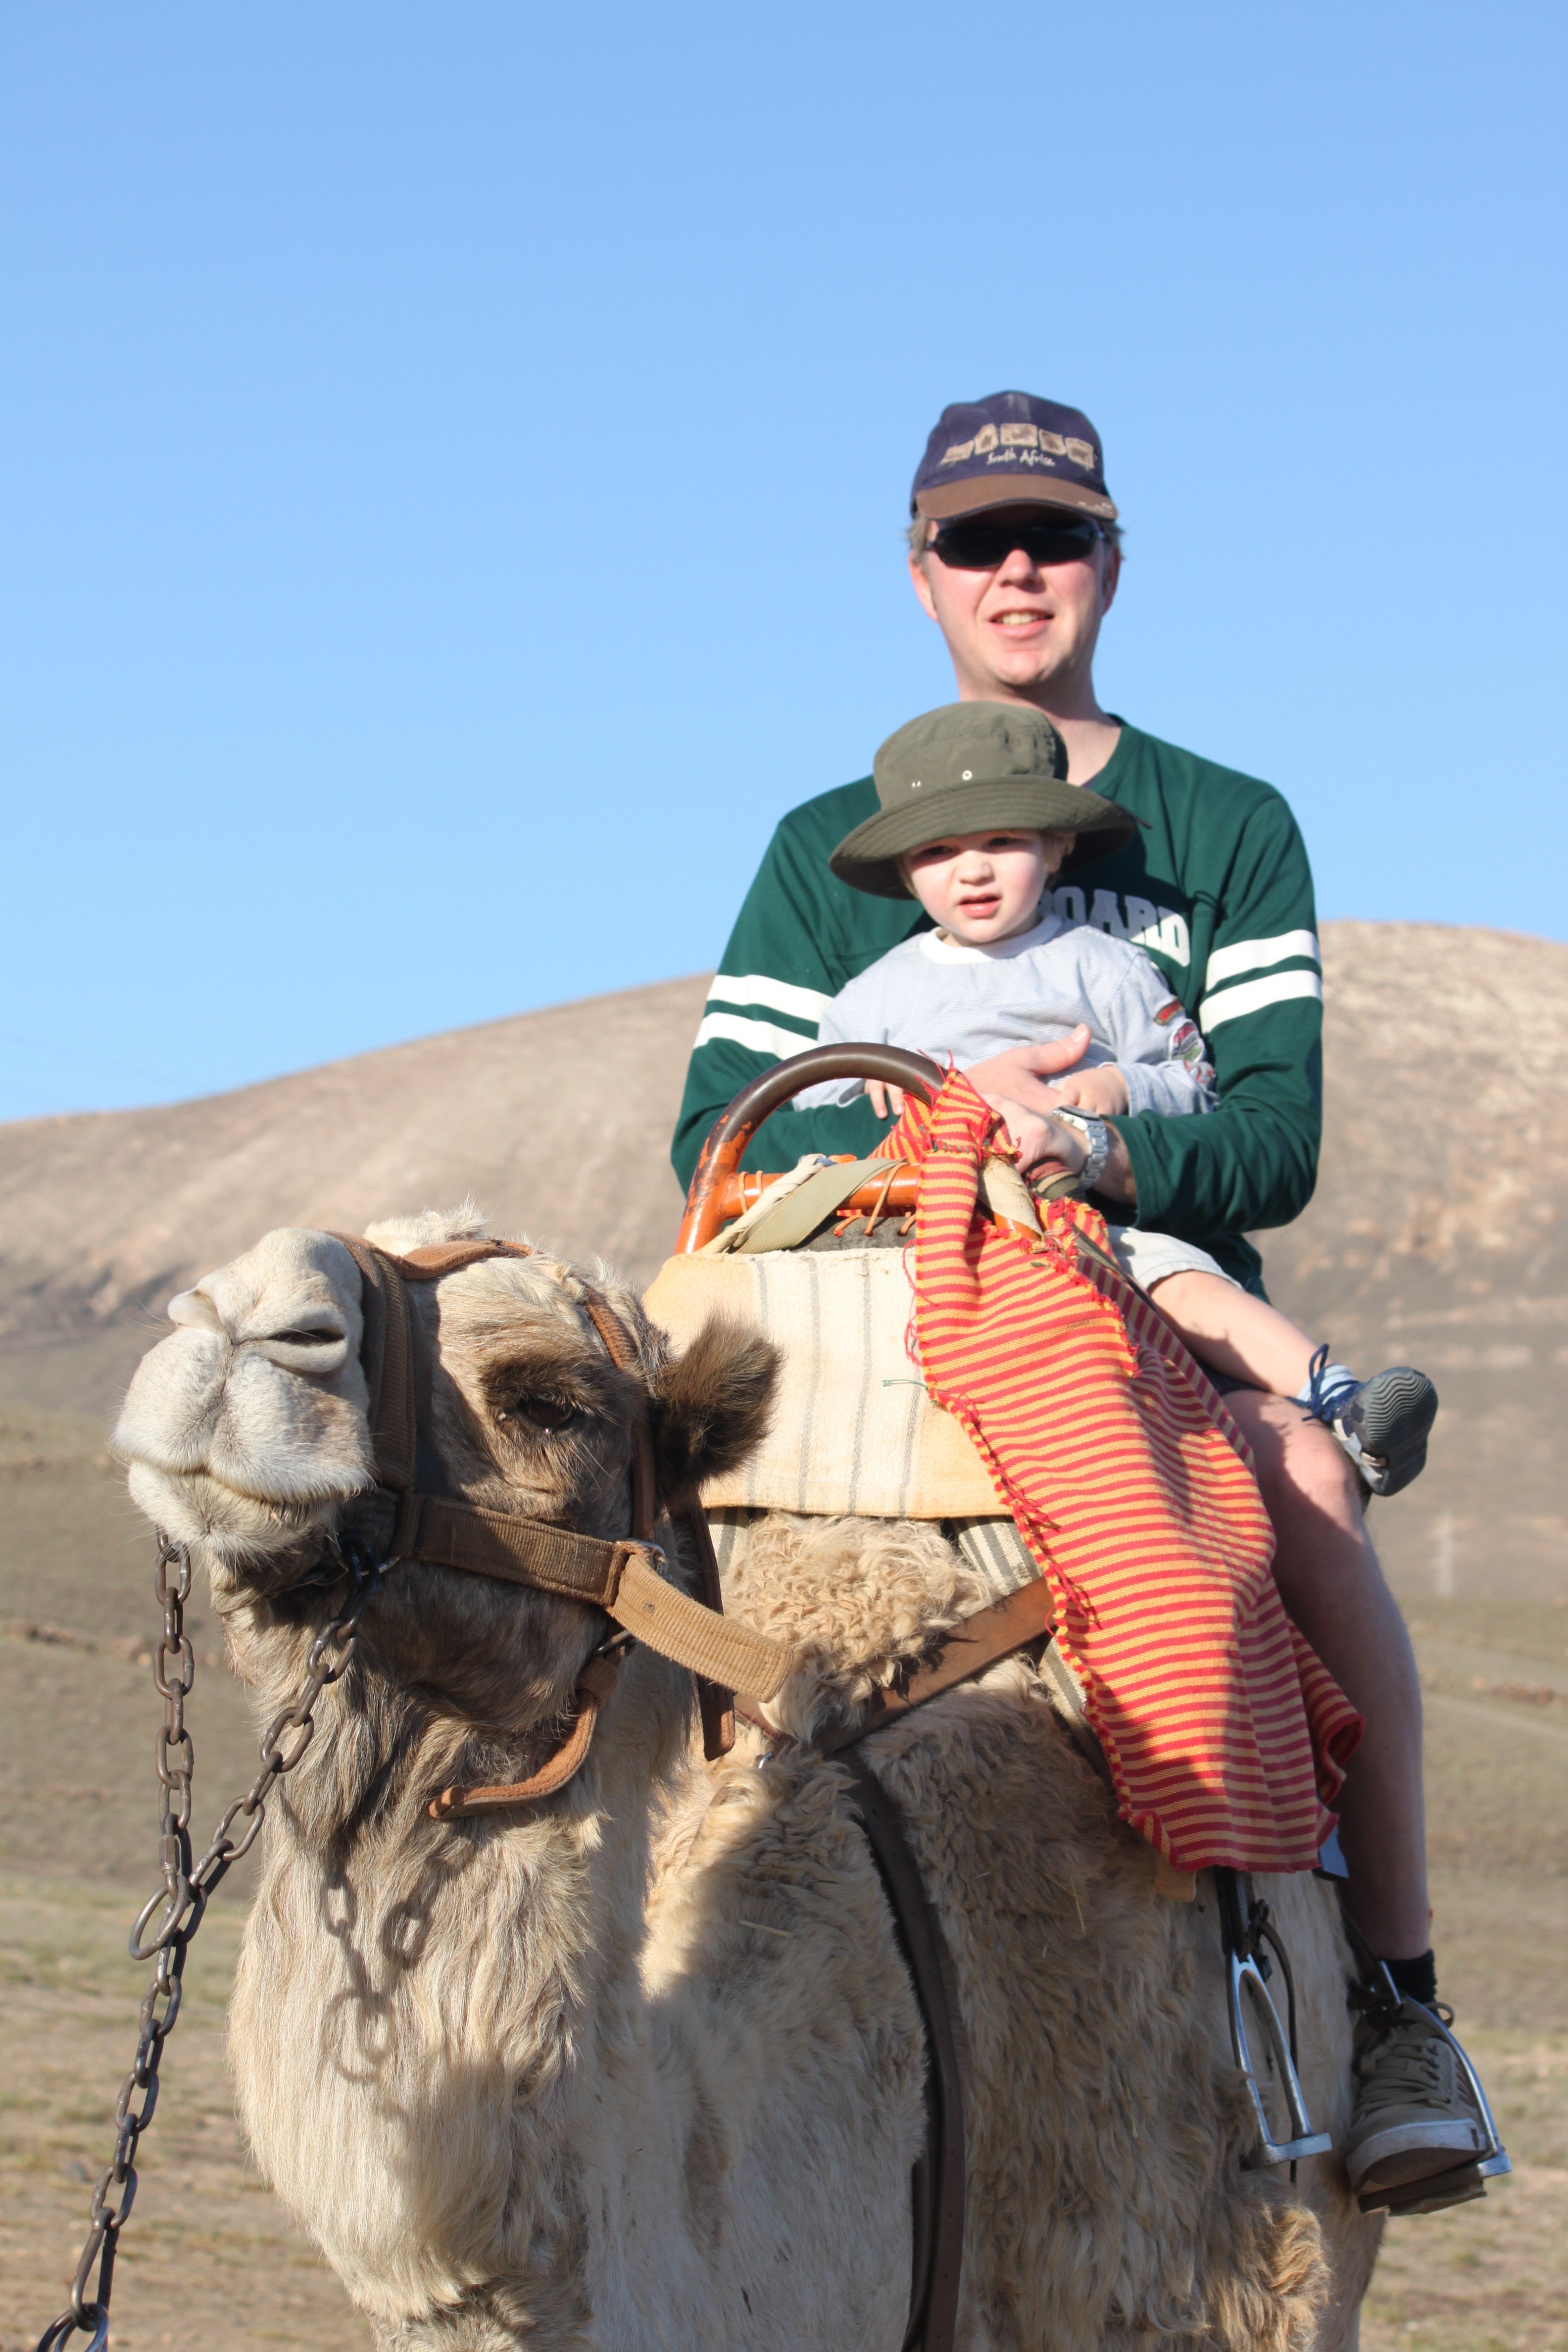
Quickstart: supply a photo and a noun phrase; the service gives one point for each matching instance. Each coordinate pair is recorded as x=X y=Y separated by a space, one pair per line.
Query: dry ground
x=208 y=2258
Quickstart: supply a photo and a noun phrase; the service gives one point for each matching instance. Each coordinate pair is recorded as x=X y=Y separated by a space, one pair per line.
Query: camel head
x=248 y=1439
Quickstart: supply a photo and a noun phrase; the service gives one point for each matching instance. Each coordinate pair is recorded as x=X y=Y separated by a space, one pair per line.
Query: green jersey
x=1216 y=886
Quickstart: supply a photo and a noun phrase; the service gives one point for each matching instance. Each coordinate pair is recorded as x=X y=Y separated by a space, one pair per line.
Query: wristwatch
x=1097 y=1139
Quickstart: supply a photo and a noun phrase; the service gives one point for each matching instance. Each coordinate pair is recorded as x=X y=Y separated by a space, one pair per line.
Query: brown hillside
x=1438 y=1233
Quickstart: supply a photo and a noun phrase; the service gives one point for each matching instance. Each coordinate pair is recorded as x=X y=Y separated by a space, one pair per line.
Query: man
x=1015 y=554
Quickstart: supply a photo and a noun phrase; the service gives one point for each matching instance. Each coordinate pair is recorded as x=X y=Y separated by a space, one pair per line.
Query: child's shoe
x=1383 y=1423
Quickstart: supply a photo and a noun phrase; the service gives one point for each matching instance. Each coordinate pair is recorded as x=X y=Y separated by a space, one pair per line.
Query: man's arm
x=1254 y=1161
x=789 y=953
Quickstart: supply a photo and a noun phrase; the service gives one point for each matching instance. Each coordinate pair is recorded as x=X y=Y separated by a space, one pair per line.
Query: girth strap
x=938 y=2249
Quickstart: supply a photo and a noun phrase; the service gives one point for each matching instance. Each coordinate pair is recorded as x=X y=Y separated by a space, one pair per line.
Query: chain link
x=182 y=1898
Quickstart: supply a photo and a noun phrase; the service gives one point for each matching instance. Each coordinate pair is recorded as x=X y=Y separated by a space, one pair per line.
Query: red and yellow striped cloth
x=1132 y=1487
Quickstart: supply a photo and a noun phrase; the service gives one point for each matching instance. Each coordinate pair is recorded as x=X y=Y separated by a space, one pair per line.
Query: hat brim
x=1010 y=490
x=867 y=859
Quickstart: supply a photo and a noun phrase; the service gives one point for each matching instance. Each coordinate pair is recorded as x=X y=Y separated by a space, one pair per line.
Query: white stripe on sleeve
x=757 y=988
x=1255 y=955
x=757 y=1036
x=1252 y=996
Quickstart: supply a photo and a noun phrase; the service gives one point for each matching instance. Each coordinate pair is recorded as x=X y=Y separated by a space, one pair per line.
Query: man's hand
x=1047 y=1146
x=1015 y=1075
x=1025 y=1084
x=1038 y=1140
x=1021 y=1074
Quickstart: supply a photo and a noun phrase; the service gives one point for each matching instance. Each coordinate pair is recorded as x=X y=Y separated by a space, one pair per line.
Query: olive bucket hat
x=964 y=769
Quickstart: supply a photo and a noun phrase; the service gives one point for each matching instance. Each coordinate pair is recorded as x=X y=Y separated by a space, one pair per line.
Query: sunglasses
x=980 y=543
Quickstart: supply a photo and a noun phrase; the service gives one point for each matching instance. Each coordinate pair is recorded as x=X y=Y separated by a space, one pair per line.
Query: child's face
x=983 y=886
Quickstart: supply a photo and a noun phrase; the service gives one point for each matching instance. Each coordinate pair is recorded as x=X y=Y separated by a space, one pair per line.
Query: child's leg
x=1383 y=1423
x=1233 y=1333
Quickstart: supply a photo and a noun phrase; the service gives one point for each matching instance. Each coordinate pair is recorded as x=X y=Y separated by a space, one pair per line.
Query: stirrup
x=1245 y=1929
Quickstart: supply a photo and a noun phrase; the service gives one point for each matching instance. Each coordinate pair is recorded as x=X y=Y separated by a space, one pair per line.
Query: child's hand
x=1101 y=1092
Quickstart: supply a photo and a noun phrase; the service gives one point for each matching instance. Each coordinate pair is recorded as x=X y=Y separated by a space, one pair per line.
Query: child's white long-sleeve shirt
x=937 y=996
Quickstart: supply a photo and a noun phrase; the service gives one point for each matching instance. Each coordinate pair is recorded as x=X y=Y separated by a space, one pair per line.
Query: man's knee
x=1300 y=1466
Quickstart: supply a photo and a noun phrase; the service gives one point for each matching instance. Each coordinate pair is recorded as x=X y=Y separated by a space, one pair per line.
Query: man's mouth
x=1020 y=620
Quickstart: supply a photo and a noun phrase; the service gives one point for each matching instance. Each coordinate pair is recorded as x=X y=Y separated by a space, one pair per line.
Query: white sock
x=1332 y=1377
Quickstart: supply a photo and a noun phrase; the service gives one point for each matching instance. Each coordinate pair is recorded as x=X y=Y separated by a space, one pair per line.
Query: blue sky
x=455 y=463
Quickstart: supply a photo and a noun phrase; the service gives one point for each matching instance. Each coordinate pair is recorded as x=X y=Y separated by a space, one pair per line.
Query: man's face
x=1023 y=627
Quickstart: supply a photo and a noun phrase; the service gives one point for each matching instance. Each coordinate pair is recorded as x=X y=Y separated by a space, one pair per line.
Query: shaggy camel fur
x=639 y=2066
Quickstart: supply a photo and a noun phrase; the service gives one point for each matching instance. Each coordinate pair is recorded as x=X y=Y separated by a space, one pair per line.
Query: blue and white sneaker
x=1383 y=1423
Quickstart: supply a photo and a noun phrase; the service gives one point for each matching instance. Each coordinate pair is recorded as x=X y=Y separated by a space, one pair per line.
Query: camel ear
x=711 y=1405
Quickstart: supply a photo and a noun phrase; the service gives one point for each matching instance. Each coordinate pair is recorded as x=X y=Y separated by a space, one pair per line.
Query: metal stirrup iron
x=1245 y=1929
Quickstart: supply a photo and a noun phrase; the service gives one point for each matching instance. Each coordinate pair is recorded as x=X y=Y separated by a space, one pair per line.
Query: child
x=979 y=851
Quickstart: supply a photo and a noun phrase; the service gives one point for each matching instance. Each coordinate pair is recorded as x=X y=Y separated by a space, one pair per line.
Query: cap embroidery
x=1017 y=439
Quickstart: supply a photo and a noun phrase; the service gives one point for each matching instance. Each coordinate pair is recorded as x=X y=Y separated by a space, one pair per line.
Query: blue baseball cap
x=1011 y=449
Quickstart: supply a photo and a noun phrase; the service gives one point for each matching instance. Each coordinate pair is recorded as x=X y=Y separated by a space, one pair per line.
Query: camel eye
x=545 y=1413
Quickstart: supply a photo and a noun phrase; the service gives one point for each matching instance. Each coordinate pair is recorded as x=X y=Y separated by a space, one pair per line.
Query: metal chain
x=186 y=1890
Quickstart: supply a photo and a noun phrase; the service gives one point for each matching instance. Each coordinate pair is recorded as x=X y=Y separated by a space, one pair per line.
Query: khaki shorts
x=1148 y=1258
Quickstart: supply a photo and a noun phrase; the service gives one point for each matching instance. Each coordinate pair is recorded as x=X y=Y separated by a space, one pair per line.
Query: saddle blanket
x=1226 y=1734
x=853 y=1430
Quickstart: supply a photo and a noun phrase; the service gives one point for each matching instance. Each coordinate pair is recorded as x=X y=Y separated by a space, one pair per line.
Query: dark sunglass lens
x=979 y=546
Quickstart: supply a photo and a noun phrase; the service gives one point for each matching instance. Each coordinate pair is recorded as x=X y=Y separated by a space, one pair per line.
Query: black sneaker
x=1383 y=1423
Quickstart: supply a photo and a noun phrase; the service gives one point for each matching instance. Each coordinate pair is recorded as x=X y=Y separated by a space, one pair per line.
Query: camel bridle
x=424 y=1522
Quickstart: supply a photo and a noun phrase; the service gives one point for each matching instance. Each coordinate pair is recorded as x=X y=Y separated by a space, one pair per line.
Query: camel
x=639 y=2065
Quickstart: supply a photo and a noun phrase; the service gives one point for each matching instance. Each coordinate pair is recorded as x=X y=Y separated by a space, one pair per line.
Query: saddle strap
x=975 y=1644
x=938 y=2185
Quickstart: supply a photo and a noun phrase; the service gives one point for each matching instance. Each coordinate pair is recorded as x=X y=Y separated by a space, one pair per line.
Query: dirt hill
x=1438 y=1234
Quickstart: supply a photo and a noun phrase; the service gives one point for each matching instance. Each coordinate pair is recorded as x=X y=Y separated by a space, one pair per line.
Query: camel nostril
x=192 y=1310
x=306 y=1338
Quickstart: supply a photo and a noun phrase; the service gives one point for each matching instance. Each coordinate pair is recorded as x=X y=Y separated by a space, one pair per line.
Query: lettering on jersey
x=1159 y=929
x=1174 y=940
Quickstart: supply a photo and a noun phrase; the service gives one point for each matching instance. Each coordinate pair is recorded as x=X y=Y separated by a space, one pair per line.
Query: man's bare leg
x=1333 y=1587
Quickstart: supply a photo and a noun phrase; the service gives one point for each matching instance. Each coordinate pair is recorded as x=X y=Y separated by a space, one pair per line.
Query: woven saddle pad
x=853 y=1430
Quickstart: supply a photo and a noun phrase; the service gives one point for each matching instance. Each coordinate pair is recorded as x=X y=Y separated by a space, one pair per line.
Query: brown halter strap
x=619 y=1575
